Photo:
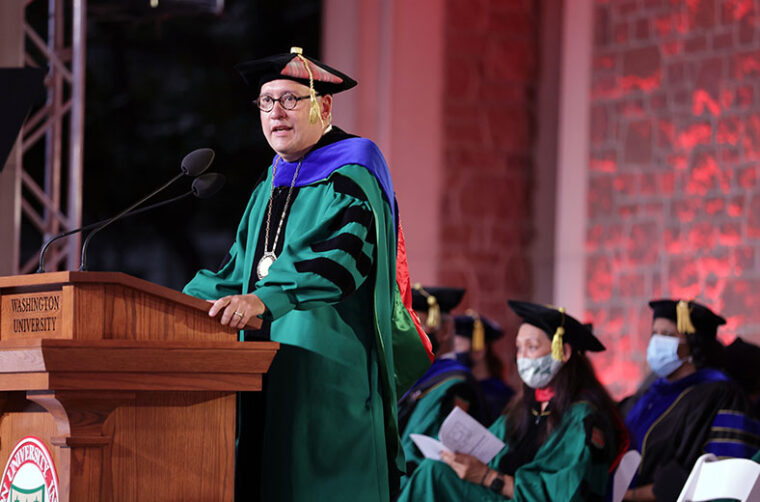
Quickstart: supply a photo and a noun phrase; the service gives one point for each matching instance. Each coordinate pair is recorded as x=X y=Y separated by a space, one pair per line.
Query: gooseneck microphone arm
x=83 y=263
x=41 y=267
x=203 y=187
x=193 y=164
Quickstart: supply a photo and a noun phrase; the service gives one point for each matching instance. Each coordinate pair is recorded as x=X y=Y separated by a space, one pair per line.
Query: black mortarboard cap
x=689 y=316
x=446 y=298
x=464 y=324
x=549 y=319
x=293 y=66
x=19 y=89
x=477 y=328
x=435 y=301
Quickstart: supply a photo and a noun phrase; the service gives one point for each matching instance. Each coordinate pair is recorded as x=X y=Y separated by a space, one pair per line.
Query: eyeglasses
x=288 y=101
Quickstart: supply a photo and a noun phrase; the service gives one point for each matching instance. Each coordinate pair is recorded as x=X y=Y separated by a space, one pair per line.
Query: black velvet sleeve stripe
x=352 y=245
x=345 y=185
x=330 y=270
x=352 y=214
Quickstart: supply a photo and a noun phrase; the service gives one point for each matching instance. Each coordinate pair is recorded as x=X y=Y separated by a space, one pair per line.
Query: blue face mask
x=662 y=354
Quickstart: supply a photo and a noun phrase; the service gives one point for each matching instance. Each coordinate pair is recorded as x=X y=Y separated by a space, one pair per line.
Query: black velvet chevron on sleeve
x=330 y=270
x=352 y=245
x=352 y=214
x=345 y=185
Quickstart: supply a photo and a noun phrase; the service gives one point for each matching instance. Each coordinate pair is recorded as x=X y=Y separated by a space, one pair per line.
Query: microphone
x=203 y=187
x=207 y=185
x=193 y=164
x=196 y=162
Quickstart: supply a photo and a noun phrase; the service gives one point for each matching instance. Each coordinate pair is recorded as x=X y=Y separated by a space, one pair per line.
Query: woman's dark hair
x=575 y=381
x=706 y=351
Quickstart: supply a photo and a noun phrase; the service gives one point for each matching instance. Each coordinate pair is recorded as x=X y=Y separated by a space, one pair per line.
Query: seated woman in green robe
x=563 y=435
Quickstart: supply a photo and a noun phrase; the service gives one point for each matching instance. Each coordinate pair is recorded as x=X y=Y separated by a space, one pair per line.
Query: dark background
x=161 y=83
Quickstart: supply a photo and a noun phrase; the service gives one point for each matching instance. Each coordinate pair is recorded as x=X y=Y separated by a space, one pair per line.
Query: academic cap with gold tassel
x=689 y=316
x=478 y=328
x=433 y=320
x=435 y=301
x=559 y=326
x=295 y=66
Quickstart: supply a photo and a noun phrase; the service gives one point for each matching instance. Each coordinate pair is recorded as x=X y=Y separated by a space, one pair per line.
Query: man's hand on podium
x=237 y=310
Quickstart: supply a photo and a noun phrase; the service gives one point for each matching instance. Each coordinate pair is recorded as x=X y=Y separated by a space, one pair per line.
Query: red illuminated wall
x=490 y=62
x=674 y=197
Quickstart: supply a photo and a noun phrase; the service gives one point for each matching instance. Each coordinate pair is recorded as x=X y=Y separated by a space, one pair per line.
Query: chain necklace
x=266 y=261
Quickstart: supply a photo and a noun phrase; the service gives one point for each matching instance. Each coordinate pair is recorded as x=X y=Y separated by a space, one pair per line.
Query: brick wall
x=490 y=82
x=674 y=197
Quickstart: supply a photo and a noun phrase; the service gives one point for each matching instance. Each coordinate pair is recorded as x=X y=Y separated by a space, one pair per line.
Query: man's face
x=289 y=132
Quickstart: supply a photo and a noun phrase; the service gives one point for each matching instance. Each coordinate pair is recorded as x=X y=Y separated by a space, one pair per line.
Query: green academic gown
x=454 y=386
x=330 y=427
x=569 y=466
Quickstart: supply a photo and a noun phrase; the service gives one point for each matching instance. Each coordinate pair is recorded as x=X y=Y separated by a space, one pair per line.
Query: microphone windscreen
x=197 y=161
x=207 y=185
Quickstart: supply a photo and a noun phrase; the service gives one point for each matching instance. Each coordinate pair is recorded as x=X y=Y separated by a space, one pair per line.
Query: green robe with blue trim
x=332 y=298
x=429 y=402
x=567 y=467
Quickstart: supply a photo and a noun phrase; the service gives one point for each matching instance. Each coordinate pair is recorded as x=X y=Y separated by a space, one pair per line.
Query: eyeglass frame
x=279 y=100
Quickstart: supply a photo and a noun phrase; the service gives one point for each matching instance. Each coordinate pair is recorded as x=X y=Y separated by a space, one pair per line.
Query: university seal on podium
x=29 y=474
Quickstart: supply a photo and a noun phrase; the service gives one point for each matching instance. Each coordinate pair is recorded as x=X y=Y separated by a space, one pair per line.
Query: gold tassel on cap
x=683 y=318
x=433 y=320
x=314 y=114
x=557 y=349
x=478 y=331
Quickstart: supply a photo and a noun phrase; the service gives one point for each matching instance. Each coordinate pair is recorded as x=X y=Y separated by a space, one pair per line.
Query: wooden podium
x=130 y=385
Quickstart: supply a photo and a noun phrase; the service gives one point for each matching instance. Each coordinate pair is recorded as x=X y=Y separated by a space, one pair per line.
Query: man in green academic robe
x=315 y=256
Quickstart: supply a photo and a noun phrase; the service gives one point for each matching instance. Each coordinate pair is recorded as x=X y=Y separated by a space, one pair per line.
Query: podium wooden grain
x=129 y=384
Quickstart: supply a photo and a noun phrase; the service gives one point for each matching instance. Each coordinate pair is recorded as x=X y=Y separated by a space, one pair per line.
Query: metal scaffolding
x=60 y=124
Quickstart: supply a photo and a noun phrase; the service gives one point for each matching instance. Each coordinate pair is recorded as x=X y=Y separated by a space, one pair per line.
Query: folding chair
x=624 y=474
x=735 y=478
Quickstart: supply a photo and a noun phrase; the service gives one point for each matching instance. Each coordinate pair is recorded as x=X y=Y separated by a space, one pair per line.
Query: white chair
x=736 y=478
x=624 y=474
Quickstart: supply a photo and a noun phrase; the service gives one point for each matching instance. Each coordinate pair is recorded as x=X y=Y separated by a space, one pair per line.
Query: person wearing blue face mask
x=692 y=408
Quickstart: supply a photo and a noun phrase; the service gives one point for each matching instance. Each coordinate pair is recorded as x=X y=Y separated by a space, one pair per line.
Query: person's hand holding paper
x=460 y=433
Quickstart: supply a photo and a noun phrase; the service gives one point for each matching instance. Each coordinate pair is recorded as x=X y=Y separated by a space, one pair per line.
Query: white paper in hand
x=463 y=434
x=430 y=448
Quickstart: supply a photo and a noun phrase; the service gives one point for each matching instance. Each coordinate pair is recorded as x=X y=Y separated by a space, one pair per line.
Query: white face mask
x=662 y=354
x=537 y=373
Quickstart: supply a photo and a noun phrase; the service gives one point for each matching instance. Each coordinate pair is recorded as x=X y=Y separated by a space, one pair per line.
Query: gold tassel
x=478 y=331
x=434 y=313
x=314 y=114
x=557 y=342
x=433 y=320
x=683 y=318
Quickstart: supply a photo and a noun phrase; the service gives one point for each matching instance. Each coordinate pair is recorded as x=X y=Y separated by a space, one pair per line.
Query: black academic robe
x=685 y=430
